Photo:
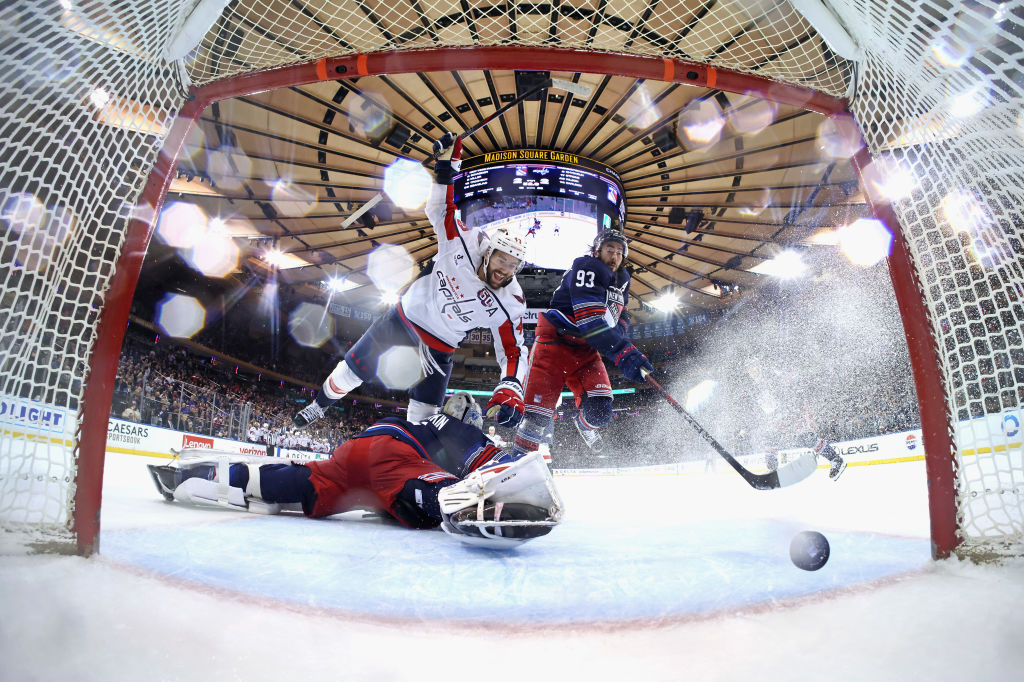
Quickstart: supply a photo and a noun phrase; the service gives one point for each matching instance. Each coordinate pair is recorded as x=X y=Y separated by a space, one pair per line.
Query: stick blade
x=794 y=472
x=578 y=89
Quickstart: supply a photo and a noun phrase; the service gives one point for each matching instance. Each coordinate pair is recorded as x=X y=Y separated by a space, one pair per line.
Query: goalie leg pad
x=275 y=484
x=204 y=493
x=596 y=411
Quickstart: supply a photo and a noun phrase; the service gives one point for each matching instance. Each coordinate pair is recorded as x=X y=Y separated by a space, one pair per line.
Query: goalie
x=442 y=471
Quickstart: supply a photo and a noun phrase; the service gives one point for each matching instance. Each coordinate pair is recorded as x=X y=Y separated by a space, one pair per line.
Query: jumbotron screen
x=557 y=202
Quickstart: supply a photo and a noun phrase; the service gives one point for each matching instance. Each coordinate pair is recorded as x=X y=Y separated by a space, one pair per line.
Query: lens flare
x=752 y=116
x=215 y=254
x=974 y=30
x=369 y=115
x=180 y=316
x=951 y=51
x=699 y=394
x=964 y=212
x=22 y=212
x=839 y=137
x=700 y=124
x=640 y=111
x=228 y=167
x=787 y=264
x=399 y=367
x=888 y=179
x=991 y=249
x=336 y=285
x=666 y=302
x=292 y=200
x=972 y=99
x=10 y=18
x=310 y=325
x=865 y=241
x=182 y=225
x=389 y=267
x=407 y=183
x=757 y=205
x=35 y=246
x=195 y=143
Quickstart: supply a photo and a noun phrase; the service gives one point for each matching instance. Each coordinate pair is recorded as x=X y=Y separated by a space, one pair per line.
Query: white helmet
x=502 y=504
x=502 y=240
x=463 y=407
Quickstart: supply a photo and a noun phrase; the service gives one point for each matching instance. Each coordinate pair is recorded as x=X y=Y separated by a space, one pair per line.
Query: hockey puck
x=809 y=550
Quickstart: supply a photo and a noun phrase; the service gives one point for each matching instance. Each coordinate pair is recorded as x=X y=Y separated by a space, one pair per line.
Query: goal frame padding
x=98 y=393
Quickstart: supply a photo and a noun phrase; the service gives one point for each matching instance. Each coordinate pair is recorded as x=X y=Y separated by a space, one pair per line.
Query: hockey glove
x=449 y=160
x=632 y=363
x=506 y=405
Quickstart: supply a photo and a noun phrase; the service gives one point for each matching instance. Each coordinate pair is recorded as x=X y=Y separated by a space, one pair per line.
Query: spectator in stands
x=131 y=413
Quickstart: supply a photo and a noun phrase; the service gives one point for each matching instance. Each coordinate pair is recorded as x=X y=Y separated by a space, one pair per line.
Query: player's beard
x=493 y=275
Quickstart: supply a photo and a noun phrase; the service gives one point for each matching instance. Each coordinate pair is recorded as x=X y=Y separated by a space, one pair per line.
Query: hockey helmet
x=503 y=240
x=463 y=407
x=606 y=236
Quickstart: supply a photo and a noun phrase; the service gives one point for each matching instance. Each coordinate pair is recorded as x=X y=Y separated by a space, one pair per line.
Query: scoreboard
x=500 y=178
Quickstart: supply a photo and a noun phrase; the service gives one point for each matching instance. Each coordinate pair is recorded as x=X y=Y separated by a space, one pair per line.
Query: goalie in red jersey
x=442 y=471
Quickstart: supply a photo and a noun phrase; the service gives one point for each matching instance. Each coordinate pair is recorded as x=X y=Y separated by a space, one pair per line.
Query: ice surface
x=650 y=577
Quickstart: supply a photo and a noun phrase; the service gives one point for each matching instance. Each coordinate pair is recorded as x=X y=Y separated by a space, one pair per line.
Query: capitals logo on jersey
x=451 y=307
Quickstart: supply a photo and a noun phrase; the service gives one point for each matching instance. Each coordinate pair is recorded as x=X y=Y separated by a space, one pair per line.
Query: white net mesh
x=88 y=102
x=766 y=37
x=86 y=106
x=940 y=97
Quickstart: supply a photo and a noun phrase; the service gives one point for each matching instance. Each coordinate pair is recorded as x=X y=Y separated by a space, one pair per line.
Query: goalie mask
x=463 y=407
x=502 y=504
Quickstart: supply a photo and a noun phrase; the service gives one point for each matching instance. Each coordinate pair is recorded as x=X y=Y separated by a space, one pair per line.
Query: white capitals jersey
x=451 y=300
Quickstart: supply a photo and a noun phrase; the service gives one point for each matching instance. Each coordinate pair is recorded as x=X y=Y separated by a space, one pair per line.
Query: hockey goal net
x=95 y=112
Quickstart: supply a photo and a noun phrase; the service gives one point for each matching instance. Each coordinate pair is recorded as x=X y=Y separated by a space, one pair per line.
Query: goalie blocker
x=441 y=471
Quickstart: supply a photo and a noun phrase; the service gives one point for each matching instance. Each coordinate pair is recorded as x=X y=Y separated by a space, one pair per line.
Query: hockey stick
x=789 y=474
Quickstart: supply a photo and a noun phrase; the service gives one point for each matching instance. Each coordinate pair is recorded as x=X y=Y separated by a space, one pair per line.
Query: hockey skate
x=590 y=436
x=307 y=415
x=824 y=449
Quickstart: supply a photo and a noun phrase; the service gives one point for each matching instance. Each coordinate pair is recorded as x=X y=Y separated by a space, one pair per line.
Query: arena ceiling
x=716 y=183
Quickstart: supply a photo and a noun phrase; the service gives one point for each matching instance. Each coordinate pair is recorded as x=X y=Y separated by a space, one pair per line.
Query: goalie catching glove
x=449 y=158
x=506 y=406
x=502 y=504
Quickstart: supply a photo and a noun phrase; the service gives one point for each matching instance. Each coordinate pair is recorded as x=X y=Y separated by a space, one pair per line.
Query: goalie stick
x=789 y=474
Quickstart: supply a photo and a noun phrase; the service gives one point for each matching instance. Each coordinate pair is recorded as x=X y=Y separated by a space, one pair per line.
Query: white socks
x=419 y=411
x=341 y=381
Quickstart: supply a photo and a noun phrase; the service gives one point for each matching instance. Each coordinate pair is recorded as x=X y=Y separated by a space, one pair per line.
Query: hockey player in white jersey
x=471 y=283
